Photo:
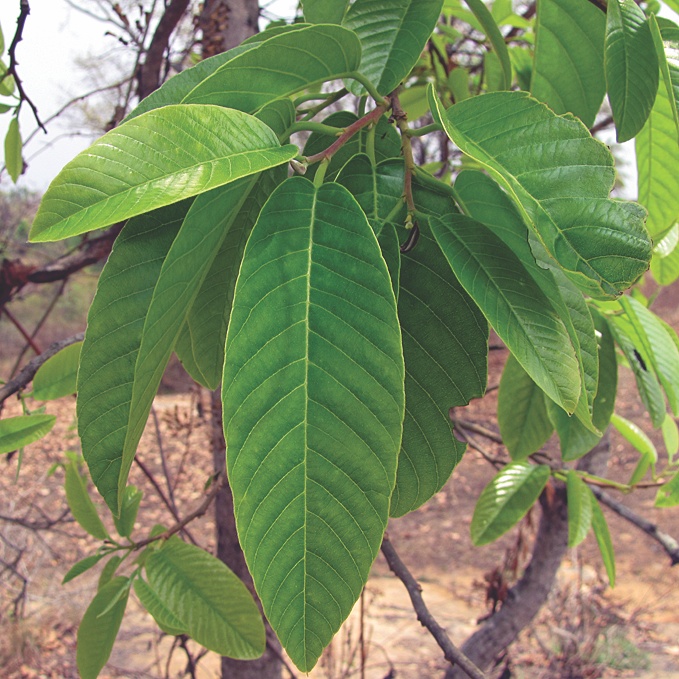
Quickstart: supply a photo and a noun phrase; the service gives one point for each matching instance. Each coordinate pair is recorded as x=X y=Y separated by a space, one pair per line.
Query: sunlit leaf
x=579 y=499
x=17 y=432
x=166 y=619
x=80 y=503
x=57 y=376
x=635 y=435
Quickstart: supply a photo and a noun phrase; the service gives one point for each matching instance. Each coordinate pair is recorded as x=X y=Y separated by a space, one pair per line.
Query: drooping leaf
x=636 y=436
x=579 y=498
x=445 y=339
x=212 y=604
x=324 y=11
x=670 y=434
x=668 y=494
x=110 y=349
x=632 y=72
x=313 y=409
x=13 y=146
x=98 y=629
x=514 y=305
x=568 y=65
x=166 y=619
x=57 y=376
x=392 y=36
x=129 y=506
x=17 y=432
x=80 y=503
x=490 y=28
x=506 y=500
x=109 y=570
x=560 y=181
x=603 y=538
x=82 y=566
x=521 y=412
x=153 y=160
x=666 y=41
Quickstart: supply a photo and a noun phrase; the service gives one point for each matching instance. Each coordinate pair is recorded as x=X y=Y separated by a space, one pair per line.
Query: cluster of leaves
x=10 y=102
x=338 y=350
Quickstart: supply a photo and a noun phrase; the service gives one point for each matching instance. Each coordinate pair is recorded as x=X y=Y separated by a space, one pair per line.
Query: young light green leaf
x=82 y=566
x=636 y=437
x=668 y=494
x=7 y=84
x=313 y=385
x=129 y=506
x=568 y=64
x=514 y=305
x=579 y=498
x=497 y=40
x=324 y=11
x=670 y=434
x=603 y=538
x=665 y=262
x=98 y=630
x=392 y=37
x=632 y=73
x=156 y=159
x=166 y=619
x=80 y=503
x=562 y=193
x=17 y=432
x=14 y=161
x=210 y=602
x=506 y=500
x=109 y=570
x=521 y=412
x=57 y=376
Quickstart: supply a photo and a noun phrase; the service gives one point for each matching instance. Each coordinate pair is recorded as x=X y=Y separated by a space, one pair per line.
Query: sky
x=55 y=36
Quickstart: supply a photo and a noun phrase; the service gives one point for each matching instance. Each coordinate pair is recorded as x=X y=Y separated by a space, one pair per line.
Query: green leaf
x=514 y=305
x=98 y=630
x=414 y=101
x=110 y=349
x=670 y=434
x=603 y=538
x=129 y=506
x=387 y=143
x=82 y=566
x=158 y=158
x=560 y=182
x=665 y=262
x=392 y=36
x=666 y=41
x=80 y=503
x=490 y=28
x=568 y=65
x=313 y=409
x=57 y=376
x=506 y=500
x=574 y=438
x=213 y=605
x=521 y=412
x=580 y=512
x=17 y=432
x=8 y=84
x=109 y=570
x=164 y=617
x=636 y=437
x=632 y=72
x=13 y=159
x=445 y=341
x=281 y=66
x=668 y=494
x=324 y=11
x=391 y=251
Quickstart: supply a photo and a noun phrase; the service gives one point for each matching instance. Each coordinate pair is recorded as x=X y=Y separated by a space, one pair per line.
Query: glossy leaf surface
x=57 y=376
x=17 y=432
x=153 y=160
x=313 y=409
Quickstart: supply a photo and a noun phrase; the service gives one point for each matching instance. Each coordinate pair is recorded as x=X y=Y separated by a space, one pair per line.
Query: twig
x=46 y=524
x=497 y=462
x=22 y=331
x=28 y=371
x=452 y=654
x=479 y=429
x=667 y=542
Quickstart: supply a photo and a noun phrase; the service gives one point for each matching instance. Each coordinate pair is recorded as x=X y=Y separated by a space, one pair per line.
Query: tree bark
x=226 y=23
x=230 y=552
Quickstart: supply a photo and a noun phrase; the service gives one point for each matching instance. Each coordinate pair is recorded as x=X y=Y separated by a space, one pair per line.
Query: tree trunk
x=527 y=597
x=226 y=23
x=230 y=552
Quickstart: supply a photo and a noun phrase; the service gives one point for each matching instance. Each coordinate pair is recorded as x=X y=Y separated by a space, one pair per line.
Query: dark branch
x=452 y=654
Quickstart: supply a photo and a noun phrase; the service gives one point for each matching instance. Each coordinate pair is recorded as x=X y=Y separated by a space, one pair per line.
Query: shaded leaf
x=324 y=11
x=80 y=503
x=17 y=432
x=57 y=376
x=670 y=434
x=579 y=498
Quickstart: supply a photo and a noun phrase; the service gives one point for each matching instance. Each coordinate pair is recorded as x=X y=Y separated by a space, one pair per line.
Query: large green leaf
x=568 y=65
x=57 y=376
x=17 y=432
x=111 y=346
x=445 y=345
x=514 y=305
x=156 y=159
x=80 y=503
x=313 y=409
x=279 y=67
x=99 y=627
x=632 y=72
x=212 y=604
x=560 y=181
x=666 y=38
x=506 y=500
x=166 y=619
x=521 y=412
x=579 y=499
x=393 y=35
x=324 y=11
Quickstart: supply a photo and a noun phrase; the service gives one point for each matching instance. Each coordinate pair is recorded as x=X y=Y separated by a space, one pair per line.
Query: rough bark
x=530 y=593
x=226 y=23
x=230 y=552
